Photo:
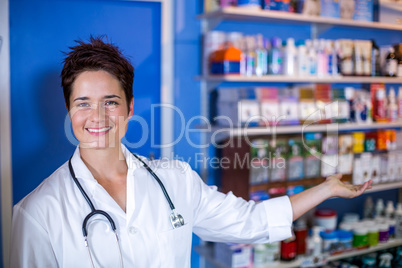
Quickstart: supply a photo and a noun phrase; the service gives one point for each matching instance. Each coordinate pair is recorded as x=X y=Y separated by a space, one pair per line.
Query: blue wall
x=40 y=31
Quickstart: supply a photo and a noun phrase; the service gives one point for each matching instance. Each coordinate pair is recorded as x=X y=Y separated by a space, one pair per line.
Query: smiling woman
x=126 y=189
x=98 y=110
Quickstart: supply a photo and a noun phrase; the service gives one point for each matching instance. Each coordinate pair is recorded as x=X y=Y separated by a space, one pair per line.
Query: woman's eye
x=110 y=103
x=83 y=104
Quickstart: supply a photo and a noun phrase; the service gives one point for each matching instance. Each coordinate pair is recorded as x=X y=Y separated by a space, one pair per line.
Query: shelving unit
x=207 y=252
x=225 y=133
x=295 y=79
x=244 y=14
x=318 y=25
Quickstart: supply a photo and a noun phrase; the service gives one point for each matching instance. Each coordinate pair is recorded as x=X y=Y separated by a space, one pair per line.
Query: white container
x=326 y=218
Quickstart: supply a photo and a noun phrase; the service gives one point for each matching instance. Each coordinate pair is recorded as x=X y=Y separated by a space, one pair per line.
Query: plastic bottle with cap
x=392 y=107
x=368 y=210
x=398 y=219
x=389 y=210
x=290 y=57
x=379 y=208
x=315 y=242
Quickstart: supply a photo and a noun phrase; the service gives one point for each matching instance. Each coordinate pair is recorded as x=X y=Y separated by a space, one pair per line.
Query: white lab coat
x=47 y=224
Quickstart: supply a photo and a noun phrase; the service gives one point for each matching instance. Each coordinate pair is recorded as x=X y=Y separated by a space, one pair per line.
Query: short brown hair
x=96 y=55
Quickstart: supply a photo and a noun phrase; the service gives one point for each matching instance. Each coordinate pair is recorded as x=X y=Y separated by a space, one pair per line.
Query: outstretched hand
x=341 y=189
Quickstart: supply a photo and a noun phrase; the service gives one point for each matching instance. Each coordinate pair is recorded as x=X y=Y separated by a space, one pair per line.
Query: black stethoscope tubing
x=96 y=211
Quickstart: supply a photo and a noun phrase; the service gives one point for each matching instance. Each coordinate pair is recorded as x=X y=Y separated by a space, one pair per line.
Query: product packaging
x=288 y=249
x=301 y=233
x=398 y=175
x=346 y=54
x=362 y=168
x=309 y=7
x=252 y=4
x=268 y=97
x=345 y=240
x=259 y=168
x=225 y=60
x=362 y=57
x=340 y=106
x=295 y=159
x=363 y=10
x=347 y=9
x=323 y=100
x=234 y=255
x=312 y=155
x=370 y=141
x=325 y=218
x=392 y=166
x=261 y=54
x=362 y=107
x=377 y=92
x=358 y=142
x=330 y=8
x=360 y=237
x=266 y=254
x=329 y=157
x=308 y=110
x=213 y=41
x=288 y=107
x=275 y=58
x=346 y=155
x=329 y=241
x=278 y=5
x=376 y=169
x=236 y=107
x=278 y=152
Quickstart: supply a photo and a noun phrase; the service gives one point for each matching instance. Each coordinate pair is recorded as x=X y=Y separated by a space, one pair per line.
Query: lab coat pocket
x=175 y=246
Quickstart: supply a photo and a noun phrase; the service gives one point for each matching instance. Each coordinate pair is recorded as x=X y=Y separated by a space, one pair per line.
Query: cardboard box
x=330 y=8
x=390 y=12
x=363 y=10
x=309 y=7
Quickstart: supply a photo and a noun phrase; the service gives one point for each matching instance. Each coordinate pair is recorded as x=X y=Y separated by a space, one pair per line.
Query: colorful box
x=330 y=8
x=278 y=5
x=259 y=168
x=309 y=7
x=363 y=10
x=295 y=159
x=312 y=154
x=278 y=153
x=358 y=142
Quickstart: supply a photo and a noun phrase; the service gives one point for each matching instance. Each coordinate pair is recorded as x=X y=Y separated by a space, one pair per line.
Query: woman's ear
x=131 y=111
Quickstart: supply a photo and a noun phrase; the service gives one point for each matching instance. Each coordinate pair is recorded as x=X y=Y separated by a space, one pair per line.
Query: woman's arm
x=331 y=187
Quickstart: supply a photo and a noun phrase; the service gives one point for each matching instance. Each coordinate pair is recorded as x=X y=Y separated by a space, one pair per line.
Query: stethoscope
x=176 y=219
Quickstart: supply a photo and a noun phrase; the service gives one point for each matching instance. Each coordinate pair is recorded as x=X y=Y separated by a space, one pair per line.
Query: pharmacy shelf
x=390 y=244
x=244 y=14
x=295 y=79
x=222 y=133
x=384 y=187
x=207 y=253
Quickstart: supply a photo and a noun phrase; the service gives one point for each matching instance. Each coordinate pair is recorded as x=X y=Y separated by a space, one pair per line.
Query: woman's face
x=98 y=110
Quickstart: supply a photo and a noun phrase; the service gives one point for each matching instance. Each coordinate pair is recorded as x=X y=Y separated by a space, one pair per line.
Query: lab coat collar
x=82 y=171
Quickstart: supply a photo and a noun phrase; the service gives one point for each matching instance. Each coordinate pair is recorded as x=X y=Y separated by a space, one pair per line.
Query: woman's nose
x=98 y=113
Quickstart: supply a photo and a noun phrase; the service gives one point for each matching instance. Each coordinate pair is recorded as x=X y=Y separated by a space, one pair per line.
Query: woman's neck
x=105 y=164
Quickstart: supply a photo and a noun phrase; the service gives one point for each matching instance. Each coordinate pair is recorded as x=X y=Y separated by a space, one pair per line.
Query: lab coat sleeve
x=30 y=244
x=226 y=218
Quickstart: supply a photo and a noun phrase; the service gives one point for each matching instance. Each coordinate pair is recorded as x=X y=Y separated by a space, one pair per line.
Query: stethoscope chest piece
x=176 y=219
